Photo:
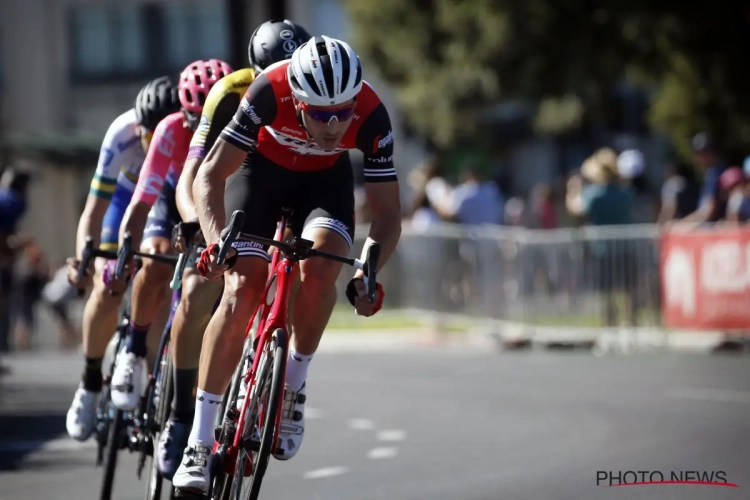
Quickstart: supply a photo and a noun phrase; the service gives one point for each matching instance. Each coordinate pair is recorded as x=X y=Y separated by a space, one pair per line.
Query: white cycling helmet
x=324 y=72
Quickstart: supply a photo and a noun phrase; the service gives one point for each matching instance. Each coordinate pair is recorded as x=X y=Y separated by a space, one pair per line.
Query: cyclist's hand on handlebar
x=356 y=292
x=85 y=281
x=207 y=266
x=115 y=286
x=185 y=231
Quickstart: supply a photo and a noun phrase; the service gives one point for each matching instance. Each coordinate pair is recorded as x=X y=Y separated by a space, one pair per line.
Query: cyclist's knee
x=198 y=295
x=320 y=273
x=155 y=272
x=245 y=282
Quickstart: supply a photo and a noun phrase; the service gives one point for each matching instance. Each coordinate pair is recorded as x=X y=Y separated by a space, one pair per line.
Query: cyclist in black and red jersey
x=284 y=148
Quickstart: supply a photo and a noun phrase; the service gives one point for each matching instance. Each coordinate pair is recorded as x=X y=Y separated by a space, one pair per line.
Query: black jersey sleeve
x=257 y=109
x=375 y=140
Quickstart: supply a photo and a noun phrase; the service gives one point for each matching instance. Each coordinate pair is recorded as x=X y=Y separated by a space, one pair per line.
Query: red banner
x=705 y=276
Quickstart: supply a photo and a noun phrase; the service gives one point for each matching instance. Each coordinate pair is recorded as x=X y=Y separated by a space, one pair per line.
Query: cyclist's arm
x=375 y=140
x=217 y=113
x=226 y=156
x=103 y=183
x=158 y=161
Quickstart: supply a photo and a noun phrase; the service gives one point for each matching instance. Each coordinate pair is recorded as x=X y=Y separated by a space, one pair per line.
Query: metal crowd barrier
x=575 y=277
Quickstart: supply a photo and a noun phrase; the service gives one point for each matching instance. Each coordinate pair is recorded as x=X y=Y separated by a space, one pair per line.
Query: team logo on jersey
x=301 y=146
x=381 y=143
x=250 y=112
x=286 y=35
x=382 y=159
x=295 y=132
x=125 y=145
x=106 y=157
x=152 y=185
x=166 y=143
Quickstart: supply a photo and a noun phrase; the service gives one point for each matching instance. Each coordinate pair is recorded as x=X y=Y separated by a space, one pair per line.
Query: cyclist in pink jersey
x=150 y=217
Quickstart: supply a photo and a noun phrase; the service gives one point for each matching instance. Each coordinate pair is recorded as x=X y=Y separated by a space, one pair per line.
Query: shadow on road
x=30 y=416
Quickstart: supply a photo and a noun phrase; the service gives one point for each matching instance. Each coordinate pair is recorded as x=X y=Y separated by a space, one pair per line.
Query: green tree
x=450 y=60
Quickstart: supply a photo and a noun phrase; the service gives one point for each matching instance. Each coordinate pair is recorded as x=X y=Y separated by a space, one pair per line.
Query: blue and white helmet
x=325 y=72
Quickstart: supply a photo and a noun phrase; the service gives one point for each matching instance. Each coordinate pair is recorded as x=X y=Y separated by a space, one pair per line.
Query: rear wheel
x=116 y=429
x=262 y=412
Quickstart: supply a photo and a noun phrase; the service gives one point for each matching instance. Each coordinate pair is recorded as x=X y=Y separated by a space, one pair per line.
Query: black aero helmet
x=156 y=100
x=274 y=41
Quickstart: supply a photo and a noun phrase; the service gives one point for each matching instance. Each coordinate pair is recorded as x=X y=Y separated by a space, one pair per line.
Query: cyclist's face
x=145 y=135
x=327 y=125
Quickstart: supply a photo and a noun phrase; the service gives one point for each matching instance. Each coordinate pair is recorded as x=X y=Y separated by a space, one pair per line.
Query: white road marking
x=716 y=395
x=391 y=435
x=361 y=424
x=325 y=472
x=383 y=452
x=55 y=445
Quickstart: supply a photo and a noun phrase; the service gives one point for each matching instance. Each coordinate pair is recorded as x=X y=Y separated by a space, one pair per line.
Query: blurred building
x=69 y=67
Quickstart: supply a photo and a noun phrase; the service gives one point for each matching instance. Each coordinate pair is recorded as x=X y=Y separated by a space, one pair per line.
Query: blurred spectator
x=476 y=200
x=733 y=186
x=543 y=211
x=631 y=165
x=57 y=295
x=429 y=179
x=515 y=212
x=423 y=214
x=712 y=166
x=679 y=193
x=607 y=202
x=33 y=279
x=604 y=201
x=13 y=188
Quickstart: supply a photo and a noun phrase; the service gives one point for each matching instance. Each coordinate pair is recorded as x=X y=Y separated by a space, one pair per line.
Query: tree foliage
x=450 y=60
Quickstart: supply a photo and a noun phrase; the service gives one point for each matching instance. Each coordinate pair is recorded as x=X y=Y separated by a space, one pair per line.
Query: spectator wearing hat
x=712 y=166
x=605 y=202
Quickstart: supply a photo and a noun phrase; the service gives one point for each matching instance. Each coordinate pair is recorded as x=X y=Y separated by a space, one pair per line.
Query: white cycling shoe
x=127 y=381
x=81 y=418
x=194 y=473
x=292 y=425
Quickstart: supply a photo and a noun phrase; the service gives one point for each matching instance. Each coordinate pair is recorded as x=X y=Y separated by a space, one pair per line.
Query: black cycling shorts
x=319 y=199
x=163 y=215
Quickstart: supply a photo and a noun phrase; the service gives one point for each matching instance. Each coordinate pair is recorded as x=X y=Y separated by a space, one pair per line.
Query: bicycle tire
x=113 y=447
x=166 y=393
x=275 y=391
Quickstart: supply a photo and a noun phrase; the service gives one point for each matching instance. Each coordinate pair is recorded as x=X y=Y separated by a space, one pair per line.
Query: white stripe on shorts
x=250 y=249
x=328 y=223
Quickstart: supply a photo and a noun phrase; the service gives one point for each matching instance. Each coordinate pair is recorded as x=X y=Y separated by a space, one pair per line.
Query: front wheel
x=262 y=415
x=166 y=392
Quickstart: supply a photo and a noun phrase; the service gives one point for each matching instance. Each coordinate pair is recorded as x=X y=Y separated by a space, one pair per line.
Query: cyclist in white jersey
x=120 y=159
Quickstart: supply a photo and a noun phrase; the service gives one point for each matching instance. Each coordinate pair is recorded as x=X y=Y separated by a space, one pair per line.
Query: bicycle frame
x=273 y=316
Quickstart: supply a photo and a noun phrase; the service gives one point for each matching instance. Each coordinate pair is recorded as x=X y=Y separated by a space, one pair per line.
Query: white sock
x=296 y=368
x=206 y=410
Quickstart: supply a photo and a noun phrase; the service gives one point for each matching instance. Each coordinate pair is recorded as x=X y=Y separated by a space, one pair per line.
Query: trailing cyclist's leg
x=188 y=325
x=99 y=323
x=147 y=296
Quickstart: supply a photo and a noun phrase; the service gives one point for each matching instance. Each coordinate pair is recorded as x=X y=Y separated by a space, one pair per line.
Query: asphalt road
x=434 y=424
